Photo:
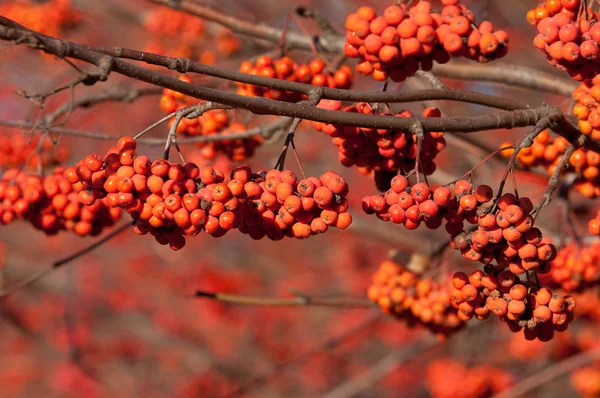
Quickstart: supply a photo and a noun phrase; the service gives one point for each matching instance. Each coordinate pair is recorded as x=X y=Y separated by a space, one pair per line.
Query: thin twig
x=286 y=302
x=59 y=263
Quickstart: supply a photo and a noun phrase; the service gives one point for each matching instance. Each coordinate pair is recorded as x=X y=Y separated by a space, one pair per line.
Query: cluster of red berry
x=210 y=123
x=48 y=17
x=285 y=68
x=380 y=149
x=539 y=313
x=408 y=296
x=504 y=234
x=447 y=378
x=169 y=22
x=576 y=267
x=51 y=204
x=171 y=200
x=568 y=36
x=408 y=38
x=412 y=205
x=586 y=108
x=18 y=149
x=547 y=152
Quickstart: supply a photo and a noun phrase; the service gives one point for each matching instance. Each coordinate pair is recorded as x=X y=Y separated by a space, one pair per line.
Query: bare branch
x=301 y=300
x=267 y=131
x=59 y=263
x=509 y=74
x=550 y=373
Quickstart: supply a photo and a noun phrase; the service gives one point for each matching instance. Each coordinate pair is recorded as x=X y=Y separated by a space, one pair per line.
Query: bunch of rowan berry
x=282 y=205
x=448 y=378
x=380 y=149
x=550 y=8
x=408 y=38
x=408 y=296
x=587 y=107
x=51 y=204
x=538 y=312
x=166 y=21
x=576 y=267
x=505 y=232
x=18 y=149
x=172 y=201
x=212 y=122
x=569 y=37
x=48 y=17
x=315 y=73
x=547 y=152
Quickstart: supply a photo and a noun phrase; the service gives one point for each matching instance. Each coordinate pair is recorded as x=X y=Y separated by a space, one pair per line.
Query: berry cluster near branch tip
x=408 y=38
x=380 y=149
x=51 y=204
x=418 y=300
x=285 y=68
x=172 y=201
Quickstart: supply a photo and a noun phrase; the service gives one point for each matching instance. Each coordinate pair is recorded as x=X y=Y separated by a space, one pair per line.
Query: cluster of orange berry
x=380 y=149
x=17 y=150
x=169 y=22
x=539 y=313
x=568 y=36
x=406 y=39
x=47 y=17
x=285 y=68
x=587 y=107
x=172 y=201
x=408 y=296
x=547 y=152
x=506 y=235
x=411 y=205
x=576 y=267
x=212 y=122
x=51 y=204
x=447 y=378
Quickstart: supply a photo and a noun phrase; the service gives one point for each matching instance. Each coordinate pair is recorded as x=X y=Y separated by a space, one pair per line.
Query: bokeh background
x=117 y=322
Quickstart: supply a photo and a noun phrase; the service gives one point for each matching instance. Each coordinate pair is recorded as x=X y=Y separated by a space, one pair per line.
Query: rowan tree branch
x=266 y=130
x=59 y=263
x=299 y=300
x=508 y=74
x=516 y=118
x=550 y=373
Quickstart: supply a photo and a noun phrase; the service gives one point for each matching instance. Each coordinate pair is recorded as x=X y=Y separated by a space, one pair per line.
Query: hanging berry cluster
x=18 y=149
x=380 y=149
x=172 y=201
x=408 y=296
x=169 y=22
x=504 y=234
x=568 y=36
x=521 y=305
x=48 y=17
x=576 y=267
x=547 y=152
x=51 y=204
x=212 y=122
x=285 y=68
x=406 y=39
x=587 y=107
